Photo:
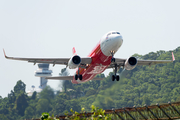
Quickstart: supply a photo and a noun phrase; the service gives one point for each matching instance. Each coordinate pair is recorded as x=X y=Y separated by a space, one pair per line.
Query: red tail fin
x=74 y=51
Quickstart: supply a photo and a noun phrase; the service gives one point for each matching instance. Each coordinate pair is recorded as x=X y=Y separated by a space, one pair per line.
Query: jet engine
x=130 y=63
x=74 y=62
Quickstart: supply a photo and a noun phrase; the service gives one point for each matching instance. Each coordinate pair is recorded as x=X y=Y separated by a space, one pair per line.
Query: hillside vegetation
x=142 y=85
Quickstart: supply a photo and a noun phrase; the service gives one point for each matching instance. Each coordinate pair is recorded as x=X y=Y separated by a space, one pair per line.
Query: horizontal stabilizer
x=61 y=78
x=96 y=78
x=68 y=78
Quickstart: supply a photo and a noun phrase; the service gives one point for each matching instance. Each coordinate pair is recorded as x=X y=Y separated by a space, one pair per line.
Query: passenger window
x=118 y=33
x=113 y=32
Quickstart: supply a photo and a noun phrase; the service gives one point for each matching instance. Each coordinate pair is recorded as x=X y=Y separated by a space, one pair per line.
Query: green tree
x=34 y=95
x=29 y=112
x=21 y=103
x=60 y=103
x=3 y=117
x=19 y=87
x=11 y=97
x=47 y=93
x=43 y=105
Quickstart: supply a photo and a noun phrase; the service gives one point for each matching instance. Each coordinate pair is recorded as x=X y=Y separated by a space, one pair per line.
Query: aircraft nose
x=118 y=39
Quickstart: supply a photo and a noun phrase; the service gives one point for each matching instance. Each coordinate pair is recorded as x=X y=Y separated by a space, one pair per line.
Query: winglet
x=173 y=58
x=4 y=54
x=74 y=51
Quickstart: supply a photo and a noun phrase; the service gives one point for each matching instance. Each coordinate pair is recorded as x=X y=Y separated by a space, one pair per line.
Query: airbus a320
x=99 y=59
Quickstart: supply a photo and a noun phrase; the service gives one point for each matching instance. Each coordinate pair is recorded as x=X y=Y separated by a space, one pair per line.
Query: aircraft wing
x=68 y=78
x=121 y=62
x=62 y=61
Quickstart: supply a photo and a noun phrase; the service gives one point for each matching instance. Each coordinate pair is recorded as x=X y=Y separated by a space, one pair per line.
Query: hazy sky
x=41 y=28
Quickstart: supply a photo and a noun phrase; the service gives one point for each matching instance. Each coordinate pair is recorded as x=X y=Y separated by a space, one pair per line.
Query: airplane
x=100 y=59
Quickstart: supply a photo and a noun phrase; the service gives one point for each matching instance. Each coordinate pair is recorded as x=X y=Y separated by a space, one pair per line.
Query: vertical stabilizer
x=74 y=51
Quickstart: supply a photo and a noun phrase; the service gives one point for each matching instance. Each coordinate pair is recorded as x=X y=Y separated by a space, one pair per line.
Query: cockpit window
x=113 y=33
x=108 y=34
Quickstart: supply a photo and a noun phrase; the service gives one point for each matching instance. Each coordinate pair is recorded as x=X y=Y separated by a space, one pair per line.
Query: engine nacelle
x=130 y=63
x=74 y=62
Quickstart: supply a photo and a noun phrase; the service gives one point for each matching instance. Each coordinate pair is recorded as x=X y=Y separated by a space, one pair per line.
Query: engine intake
x=130 y=63
x=74 y=62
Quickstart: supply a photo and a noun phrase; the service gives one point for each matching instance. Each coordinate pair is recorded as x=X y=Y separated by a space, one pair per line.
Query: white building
x=42 y=72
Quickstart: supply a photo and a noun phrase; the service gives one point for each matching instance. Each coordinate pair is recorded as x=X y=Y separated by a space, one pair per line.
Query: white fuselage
x=101 y=56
